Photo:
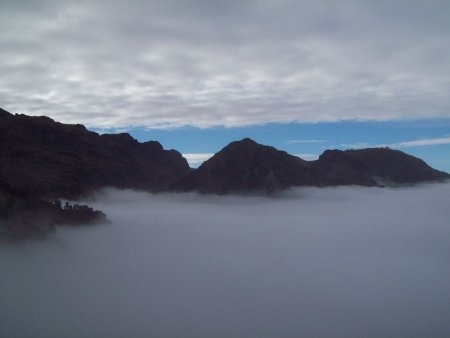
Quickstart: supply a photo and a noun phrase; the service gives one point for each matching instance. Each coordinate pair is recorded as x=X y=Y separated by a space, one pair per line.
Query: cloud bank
x=343 y=262
x=229 y=63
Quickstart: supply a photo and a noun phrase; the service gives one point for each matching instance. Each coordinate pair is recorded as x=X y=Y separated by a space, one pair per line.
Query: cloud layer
x=342 y=262
x=205 y=63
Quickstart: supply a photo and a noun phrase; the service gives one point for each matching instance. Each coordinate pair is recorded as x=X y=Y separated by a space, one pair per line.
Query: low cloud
x=334 y=262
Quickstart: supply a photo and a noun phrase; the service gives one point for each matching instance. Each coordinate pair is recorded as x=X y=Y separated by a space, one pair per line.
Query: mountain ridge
x=245 y=166
x=42 y=160
x=39 y=155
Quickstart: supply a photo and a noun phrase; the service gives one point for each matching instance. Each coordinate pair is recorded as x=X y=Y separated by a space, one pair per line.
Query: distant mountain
x=246 y=166
x=372 y=167
x=46 y=158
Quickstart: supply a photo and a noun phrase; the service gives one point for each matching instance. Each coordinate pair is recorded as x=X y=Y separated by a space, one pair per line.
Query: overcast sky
x=225 y=63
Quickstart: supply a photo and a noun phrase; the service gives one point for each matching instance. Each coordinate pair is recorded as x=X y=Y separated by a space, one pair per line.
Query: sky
x=330 y=262
x=196 y=74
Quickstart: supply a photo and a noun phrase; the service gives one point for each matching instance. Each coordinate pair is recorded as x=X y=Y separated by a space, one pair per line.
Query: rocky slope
x=46 y=158
x=371 y=167
x=42 y=160
x=246 y=166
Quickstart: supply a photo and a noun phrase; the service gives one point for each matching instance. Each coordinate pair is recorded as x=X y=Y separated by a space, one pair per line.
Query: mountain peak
x=244 y=166
x=246 y=140
x=245 y=143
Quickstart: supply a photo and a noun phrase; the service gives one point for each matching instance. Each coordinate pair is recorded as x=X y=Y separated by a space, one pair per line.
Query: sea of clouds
x=309 y=262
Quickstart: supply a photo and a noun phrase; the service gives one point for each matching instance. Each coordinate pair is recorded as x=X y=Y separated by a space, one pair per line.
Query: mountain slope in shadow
x=42 y=161
x=246 y=166
x=43 y=157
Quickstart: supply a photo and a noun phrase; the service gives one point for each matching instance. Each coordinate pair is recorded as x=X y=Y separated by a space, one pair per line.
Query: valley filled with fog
x=308 y=262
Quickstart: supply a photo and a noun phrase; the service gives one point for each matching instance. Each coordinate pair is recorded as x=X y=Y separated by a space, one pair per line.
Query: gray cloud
x=204 y=63
x=335 y=262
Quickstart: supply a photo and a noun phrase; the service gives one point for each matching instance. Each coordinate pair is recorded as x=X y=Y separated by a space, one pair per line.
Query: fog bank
x=332 y=262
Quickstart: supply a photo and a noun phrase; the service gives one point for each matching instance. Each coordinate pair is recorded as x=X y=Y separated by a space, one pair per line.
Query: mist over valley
x=306 y=262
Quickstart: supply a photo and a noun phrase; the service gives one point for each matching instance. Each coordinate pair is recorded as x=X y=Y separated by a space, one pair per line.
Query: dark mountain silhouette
x=43 y=157
x=42 y=160
x=372 y=167
x=246 y=166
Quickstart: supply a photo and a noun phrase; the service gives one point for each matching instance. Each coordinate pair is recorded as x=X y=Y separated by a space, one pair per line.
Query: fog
x=309 y=262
